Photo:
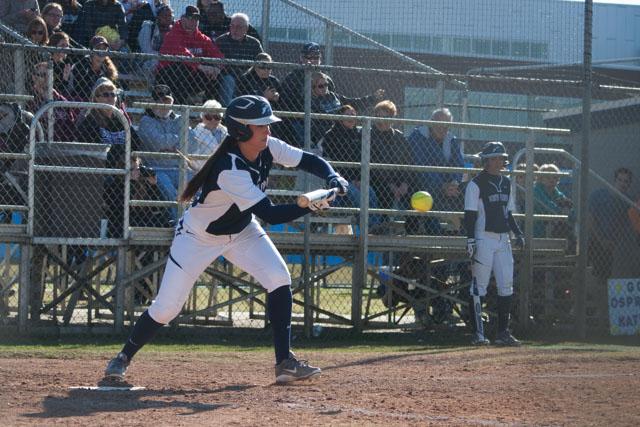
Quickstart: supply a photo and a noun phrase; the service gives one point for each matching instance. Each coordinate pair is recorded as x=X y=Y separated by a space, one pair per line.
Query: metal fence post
x=121 y=273
x=583 y=232
x=360 y=265
x=307 y=259
x=24 y=290
x=19 y=71
x=184 y=147
x=328 y=44
x=440 y=94
x=266 y=17
x=526 y=279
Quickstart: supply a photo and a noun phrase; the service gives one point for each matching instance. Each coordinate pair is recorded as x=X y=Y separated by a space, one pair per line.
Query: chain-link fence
x=102 y=181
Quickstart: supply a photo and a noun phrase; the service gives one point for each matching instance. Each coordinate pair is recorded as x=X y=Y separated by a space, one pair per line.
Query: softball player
x=488 y=216
x=221 y=221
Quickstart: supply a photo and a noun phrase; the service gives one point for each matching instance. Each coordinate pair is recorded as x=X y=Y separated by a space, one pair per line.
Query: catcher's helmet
x=493 y=149
x=247 y=110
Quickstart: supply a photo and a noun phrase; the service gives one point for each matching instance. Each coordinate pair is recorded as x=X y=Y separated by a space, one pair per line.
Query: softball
x=421 y=201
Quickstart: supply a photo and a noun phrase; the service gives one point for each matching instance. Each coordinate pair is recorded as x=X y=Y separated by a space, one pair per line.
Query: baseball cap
x=98 y=41
x=159 y=92
x=311 y=49
x=192 y=12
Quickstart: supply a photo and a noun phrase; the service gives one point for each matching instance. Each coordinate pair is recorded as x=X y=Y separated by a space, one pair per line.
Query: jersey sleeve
x=238 y=186
x=471 y=197
x=511 y=204
x=284 y=154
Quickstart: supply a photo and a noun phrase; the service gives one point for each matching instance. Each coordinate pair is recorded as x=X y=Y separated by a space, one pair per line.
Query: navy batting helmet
x=247 y=110
x=493 y=149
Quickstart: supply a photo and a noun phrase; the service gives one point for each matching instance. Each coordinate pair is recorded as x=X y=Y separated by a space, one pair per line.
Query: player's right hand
x=338 y=182
x=472 y=248
x=321 y=205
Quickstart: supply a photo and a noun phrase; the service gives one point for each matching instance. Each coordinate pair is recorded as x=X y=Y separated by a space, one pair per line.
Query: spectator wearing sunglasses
x=160 y=131
x=259 y=81
x=18 y=13
x=37 y=31
x=52 y=14
x=102 y=126
x=325 y=101
x=208 y=134
x=89 y=69
x=64 y=125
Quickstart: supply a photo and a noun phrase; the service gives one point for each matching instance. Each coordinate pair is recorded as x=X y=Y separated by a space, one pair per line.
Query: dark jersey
x=490 y=196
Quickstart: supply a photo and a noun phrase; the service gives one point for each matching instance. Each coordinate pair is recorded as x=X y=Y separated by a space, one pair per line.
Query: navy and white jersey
x=233 y=186
x=490 y=196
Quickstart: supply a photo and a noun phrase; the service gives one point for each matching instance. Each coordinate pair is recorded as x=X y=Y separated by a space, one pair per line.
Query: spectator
x=152 y=35
x=37 y=31
x=89 y=69
x=343 y=143
x=634 y=218
x=147 y=11
x=160 y=131
x=52 y=13
x=215 y=22
x=61 y=63
x=609 y=226
x=188 y=78
x=292 y=95
x=236 y=44
x=208 y=134
x=521 y=187
x=259 y=81
x=436 y=146
x=326 y=102
x=70 y=11
x=64 y=118
x=102 y=126
x=18 y=13
x=549 y=200
x=389 y=146
x=96 y=14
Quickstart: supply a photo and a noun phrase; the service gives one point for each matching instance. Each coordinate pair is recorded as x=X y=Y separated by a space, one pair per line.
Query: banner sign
x=624 y=306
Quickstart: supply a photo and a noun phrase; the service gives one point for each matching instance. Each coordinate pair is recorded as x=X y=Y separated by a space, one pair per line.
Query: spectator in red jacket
x=188 y=78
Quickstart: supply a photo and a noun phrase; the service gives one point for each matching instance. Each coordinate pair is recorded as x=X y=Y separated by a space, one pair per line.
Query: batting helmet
x=493 y=149
x=247 y=110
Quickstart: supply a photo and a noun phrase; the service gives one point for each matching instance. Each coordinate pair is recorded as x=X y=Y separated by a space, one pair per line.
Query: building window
x=401 y=41
x=482 y=46
x=461 y=45
x=422 y=43
x=500 y=48
x=539 y=50
x=520 y=49
x=437 y=44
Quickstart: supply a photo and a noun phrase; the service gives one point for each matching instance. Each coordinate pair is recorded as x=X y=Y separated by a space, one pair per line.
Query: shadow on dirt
x=87 y=403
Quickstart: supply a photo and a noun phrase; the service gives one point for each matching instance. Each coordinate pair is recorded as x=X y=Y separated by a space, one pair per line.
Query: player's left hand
x=336 y=181
x=519 y=242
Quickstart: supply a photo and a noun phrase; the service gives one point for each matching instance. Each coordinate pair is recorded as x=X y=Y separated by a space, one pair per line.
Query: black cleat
x=117 y=368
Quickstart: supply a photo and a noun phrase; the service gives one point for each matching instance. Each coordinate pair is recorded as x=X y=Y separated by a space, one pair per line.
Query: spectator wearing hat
x=208 y=134
x=89 y=69
x=236 y=44
x=259 y=81
x=152 y=35
x=292 y=95
x=214 y=22
x=147 y=11
x=96 y=14
x=160 y=130
x=18 y=13
x=188 y=78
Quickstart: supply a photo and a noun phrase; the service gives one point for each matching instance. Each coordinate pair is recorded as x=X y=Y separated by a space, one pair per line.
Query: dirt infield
x=526 y=386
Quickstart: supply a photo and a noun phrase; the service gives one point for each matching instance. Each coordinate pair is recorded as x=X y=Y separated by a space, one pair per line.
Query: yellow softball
x=422 y=201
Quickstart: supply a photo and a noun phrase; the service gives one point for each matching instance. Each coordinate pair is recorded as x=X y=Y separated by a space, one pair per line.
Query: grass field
x=220 y=378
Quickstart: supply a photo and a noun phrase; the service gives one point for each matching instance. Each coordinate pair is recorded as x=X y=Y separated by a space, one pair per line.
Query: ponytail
x=201 y=176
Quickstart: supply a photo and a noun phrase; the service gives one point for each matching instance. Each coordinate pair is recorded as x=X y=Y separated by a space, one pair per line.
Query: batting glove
x=323 y=204
x=519 y=243
x=336 y=181
x=472 y=248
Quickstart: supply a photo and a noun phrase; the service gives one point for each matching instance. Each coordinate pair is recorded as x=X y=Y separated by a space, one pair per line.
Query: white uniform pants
x=493 y=254
x=190 y=254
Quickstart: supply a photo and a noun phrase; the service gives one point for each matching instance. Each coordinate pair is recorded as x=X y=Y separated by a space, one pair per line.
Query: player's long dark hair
x=199 y=178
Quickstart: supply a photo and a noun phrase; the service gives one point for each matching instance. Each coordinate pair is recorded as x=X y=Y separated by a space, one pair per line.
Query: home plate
x=107 y=388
